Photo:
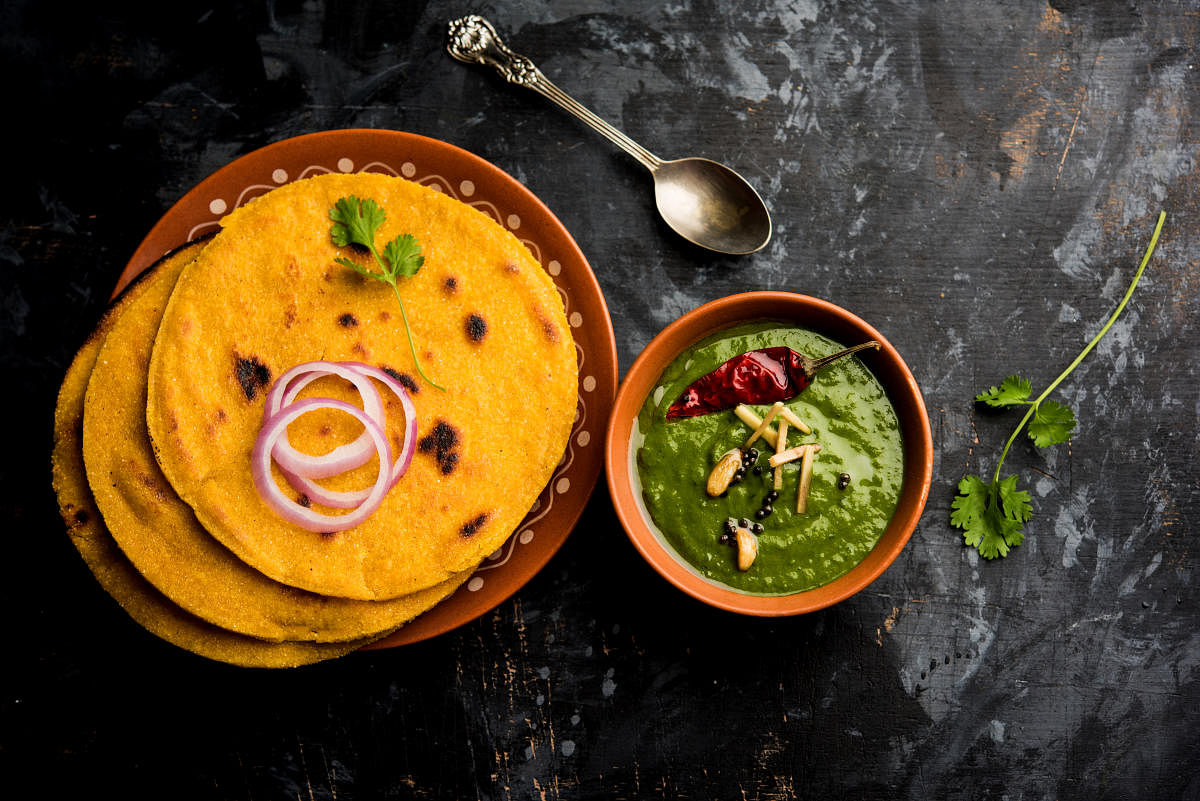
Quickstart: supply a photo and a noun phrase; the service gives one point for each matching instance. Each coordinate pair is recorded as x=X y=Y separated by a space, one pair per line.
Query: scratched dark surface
x=977 y=179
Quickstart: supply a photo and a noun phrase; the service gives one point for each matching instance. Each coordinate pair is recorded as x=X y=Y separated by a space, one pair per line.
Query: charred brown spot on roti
x=442 y=442
x=549 y=329
x=384 y=316
x=304 y=501
x=251 y=374
x=219 y=418
x=476 y=327
x=406 y=380
x=472 y=526
x=152 y=484
x=450 y=285
x=82 y=517
x=325 y=430
x=361 y=350
x=348 y=320
x=511 y=268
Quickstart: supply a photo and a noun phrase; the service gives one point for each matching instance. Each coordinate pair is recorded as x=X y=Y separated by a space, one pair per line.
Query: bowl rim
x=724 y=313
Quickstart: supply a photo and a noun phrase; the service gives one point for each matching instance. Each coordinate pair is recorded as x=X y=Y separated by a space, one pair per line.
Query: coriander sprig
x=355 y=222
x=992 y=516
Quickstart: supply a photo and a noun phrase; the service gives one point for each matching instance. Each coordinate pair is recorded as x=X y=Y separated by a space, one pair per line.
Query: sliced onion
x=334 y=499
x=292 y=511
x=343 y=457
x=300 y=469
x=408 y=446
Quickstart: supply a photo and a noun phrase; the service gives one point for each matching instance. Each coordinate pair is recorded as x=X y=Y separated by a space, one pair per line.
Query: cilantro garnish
x=992 y=516
x=355 y=222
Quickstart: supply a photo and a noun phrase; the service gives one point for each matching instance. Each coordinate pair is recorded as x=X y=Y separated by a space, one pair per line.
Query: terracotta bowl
x=816 y=315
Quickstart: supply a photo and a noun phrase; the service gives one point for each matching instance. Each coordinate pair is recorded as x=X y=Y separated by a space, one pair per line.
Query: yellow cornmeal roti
x=158 y=532
x=113 y=571
x=267 y=294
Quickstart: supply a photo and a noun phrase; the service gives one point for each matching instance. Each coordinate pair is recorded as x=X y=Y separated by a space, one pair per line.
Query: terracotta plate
x=485 y=187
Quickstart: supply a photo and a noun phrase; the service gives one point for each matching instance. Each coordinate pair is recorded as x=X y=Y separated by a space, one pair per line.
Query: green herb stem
x=411 y=346
x=1162 y=217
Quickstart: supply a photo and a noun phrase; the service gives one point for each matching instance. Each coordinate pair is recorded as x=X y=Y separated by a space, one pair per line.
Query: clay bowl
x=800 y=310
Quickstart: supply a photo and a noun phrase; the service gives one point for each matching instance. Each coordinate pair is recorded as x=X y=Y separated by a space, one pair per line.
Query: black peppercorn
x=757 y=528
x=843 y=481
x=772 y=496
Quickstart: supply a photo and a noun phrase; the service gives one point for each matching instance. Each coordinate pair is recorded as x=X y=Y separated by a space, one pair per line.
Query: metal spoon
x=706 y=203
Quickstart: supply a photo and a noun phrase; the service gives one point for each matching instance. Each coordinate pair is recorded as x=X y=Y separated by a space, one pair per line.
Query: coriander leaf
x=971 y=502
x=990 y=515
x=404 y=255
x=355 y=222
x=1014 y=502
x=1052 y=424
x=1013 y=391
x=1002 y=535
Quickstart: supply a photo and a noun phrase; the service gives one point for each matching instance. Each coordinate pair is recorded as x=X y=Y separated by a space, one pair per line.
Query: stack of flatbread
x=159 y=412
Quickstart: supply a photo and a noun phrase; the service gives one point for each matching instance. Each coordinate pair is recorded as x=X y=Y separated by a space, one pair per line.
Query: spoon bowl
x=703 y=201
x=712 y=206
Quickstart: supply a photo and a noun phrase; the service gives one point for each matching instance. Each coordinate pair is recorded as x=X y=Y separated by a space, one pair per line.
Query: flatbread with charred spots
x=268 y=294
x=157 y=531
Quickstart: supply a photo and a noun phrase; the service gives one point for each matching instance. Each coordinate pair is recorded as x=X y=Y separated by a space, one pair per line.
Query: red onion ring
x=408 y=447
x=299 y=468
x=334 y=499
x=291 y=510
x=343 y=457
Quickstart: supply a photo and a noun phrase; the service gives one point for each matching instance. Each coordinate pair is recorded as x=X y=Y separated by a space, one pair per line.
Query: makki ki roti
x=100 y=553
x=158 y=532
x=267 y=294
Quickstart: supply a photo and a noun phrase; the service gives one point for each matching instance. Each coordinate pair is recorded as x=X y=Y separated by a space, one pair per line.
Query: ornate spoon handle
x=473 y=40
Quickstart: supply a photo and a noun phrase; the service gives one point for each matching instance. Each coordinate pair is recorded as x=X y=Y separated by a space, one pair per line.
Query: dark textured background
x=975 y=178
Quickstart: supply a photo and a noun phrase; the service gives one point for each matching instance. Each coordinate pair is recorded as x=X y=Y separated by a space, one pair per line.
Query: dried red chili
x=758 y=376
